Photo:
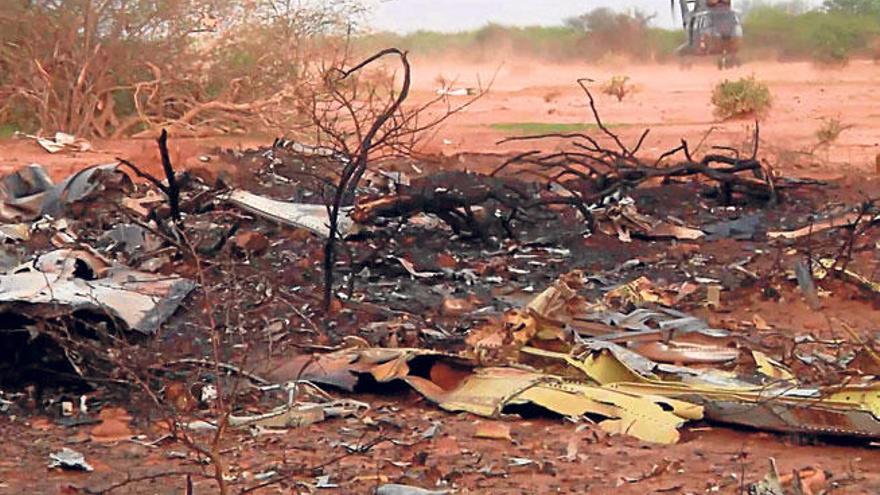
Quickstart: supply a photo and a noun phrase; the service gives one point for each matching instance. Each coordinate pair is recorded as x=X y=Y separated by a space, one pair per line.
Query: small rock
x=446 y=261
x=154 y=265
x=493 y=430
x=212 y=238
x=456 y=307
x=113 y=427
x=252 y=241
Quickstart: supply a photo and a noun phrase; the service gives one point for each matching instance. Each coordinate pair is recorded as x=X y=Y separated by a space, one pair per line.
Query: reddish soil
x=674 y=104
x=707 y=460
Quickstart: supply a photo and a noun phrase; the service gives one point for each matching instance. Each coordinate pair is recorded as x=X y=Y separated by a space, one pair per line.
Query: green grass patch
x=530 y=128
x=7 y=130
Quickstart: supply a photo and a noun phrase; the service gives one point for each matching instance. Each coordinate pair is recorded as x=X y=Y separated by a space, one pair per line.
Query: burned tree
x=582 y=176
x=589 y=171
x=452 y=196
x=360 y=120
x=171 y=190
x=357 y=164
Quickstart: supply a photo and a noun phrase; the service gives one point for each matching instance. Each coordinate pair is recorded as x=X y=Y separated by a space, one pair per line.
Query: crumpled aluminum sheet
x=851 y=409
x=29 y=192
x=312 y=217
x=647 y=368
x=69 y=459
x=78 y=186
x=649 y=320
x=140 y=300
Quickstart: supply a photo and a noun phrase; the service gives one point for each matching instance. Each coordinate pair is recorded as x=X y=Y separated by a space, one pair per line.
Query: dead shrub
x=111 y=69
x=618 y=87
x=830 y=129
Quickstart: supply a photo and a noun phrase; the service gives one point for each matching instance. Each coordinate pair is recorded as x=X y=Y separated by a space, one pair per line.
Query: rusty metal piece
x=685 y=353
x=454 y=385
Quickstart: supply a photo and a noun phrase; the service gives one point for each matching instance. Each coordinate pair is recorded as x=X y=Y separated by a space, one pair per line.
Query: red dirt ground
x=674 y=103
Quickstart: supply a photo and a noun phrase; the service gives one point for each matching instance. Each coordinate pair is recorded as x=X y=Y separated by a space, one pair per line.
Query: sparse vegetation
x=547 y=43
x=320 y=309
x=830 y=129
x=829 y=37
x=530 y=128
x=618 y=86
x=875 y=50
x=625 y=33
x=110 y=69
x=854 y=7
x=588 y=37
x=181 y=67
x=745 y=97
x=7 y=130
x=832 y=34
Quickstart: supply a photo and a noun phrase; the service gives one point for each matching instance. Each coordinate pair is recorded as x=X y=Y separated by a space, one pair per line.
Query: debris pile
x=618 y=295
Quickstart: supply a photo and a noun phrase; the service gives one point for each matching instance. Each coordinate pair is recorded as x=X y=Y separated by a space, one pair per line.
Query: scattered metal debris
x=393 y=489
x=77 y=280
x=61 y=142
x=69 y=459
x=312 y=217
x=29 y=193
x=488 y=295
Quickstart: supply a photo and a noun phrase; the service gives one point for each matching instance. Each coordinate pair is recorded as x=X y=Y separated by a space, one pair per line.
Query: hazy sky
x=457 y=15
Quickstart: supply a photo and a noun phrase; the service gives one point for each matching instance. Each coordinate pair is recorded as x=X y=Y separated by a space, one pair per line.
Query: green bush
x=591 y=37
x=549 y=43
x=790 y=31
x=826 y=37
x=745 y=97
x=857 y=7
x=7 y=130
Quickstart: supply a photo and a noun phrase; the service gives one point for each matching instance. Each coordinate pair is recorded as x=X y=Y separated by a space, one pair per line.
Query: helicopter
x=712 y=28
